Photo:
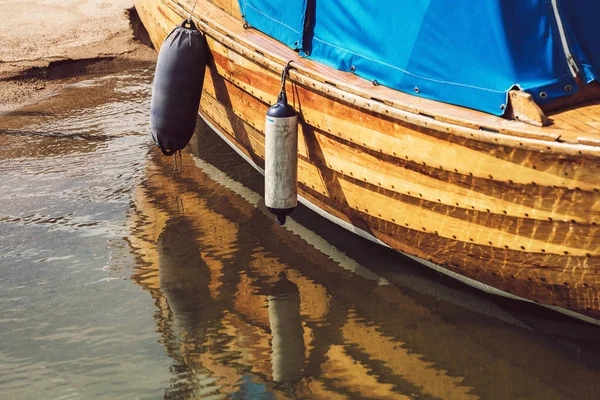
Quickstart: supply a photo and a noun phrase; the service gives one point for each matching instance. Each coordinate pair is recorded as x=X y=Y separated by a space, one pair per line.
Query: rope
x=284 y=75
x=189 y=18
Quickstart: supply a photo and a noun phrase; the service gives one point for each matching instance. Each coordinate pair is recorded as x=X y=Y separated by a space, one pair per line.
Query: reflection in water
x=184 y=276
x=287 y=356
x=272 y=312
x=184 y=280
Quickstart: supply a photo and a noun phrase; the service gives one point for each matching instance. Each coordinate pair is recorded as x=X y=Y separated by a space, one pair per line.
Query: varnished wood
x=504 y=203
x=522 y=107
x=491 y=195
x=231 y=7
x=585 y=119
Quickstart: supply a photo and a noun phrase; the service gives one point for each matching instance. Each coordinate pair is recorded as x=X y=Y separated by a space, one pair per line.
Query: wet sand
x=47 y=44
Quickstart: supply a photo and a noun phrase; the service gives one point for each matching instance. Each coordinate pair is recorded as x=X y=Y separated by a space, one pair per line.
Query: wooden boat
x=507 y=203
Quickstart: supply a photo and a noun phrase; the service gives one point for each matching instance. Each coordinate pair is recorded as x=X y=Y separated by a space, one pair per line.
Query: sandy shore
x=47 y=43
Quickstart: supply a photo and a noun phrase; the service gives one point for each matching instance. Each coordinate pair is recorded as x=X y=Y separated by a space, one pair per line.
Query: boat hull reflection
x=352 y=330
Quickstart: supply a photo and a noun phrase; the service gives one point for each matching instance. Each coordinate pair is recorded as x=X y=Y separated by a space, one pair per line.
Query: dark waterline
x=121 y=278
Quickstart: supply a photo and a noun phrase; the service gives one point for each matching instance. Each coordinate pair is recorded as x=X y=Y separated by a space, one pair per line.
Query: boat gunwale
x=497 y=130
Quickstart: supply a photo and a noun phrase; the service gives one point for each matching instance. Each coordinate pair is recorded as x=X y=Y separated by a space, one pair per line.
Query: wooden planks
x=513 y=270
x=401 y=140
x=498 y=210
x=351 y=167
x=412 y=176
x=584 y=119
x=231 y=7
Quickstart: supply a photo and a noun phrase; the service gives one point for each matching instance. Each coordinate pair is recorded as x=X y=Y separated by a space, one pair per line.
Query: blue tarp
x=581 y=19
x=282 y=20
x=463 y=52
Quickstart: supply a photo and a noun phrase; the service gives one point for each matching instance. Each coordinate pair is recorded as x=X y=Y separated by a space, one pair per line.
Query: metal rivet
x=374 y=82
x=296 y=43
x=247 y=26
x=307 y=53
x=353 y=68
x=417 y=90
x=502 y=106
x=568 y=88
x=543 y=95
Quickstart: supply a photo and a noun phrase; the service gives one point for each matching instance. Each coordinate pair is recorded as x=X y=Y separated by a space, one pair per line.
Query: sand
x=46 y=44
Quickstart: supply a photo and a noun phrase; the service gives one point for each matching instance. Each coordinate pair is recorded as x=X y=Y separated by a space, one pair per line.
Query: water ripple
x=70 y=166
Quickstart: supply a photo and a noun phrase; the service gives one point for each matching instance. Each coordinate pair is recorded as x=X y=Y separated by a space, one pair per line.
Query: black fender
x=177 y=87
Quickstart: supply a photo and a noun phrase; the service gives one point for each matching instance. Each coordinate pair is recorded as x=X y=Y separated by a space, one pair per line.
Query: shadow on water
x=247 y=308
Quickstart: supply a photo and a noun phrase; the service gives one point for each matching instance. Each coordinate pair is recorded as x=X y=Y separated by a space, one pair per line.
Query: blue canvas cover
x=282 y=20
x=464 y=52
x=581 y=18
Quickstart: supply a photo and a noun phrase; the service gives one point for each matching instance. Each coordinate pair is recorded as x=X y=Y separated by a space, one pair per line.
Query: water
x=121 y=278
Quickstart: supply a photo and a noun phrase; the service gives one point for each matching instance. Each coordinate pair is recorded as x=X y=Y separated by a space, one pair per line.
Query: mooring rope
x=284 y=75
x=189 y=18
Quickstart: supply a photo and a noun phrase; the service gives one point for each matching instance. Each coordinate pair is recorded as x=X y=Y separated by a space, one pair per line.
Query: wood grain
x=522 y=107
x=515 y=208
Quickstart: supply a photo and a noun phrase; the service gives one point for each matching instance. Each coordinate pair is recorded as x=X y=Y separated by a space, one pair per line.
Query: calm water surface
x=121 y=278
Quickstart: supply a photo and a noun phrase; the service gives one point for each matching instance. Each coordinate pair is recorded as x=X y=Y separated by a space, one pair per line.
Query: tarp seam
x=272 y=19
x=551 y=82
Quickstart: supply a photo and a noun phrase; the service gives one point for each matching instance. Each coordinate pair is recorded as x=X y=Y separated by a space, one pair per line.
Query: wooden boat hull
x=499 y=205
